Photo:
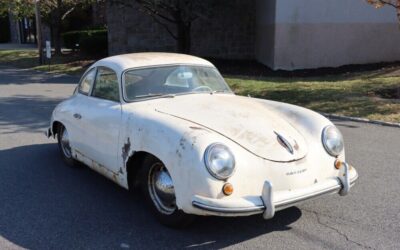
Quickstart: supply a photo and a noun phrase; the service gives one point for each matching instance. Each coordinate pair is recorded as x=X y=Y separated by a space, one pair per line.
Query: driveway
x=46 y=205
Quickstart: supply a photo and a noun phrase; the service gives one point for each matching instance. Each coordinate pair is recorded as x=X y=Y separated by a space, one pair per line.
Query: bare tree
x=380 y=3
x=175 y=16
x=55 y=12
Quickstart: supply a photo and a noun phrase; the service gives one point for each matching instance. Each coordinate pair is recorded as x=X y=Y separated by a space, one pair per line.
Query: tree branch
x=165 y=26
x=67 y=13
x=155 y=12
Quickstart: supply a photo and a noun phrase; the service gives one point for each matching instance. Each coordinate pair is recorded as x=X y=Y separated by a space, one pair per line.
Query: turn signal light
x=338 y=164
x=227 y=189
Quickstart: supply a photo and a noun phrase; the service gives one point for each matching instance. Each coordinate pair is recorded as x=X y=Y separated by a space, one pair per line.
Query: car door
x=100 y=117
x=74 y=123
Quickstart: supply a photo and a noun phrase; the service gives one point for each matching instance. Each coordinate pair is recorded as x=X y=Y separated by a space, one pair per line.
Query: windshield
x=172 y=80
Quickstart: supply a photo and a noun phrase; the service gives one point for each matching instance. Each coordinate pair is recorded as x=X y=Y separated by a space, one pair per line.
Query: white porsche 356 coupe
x=170 y=125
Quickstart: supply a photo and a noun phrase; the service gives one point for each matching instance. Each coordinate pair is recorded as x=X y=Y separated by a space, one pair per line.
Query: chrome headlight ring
x=332 y=140
x=219 y=161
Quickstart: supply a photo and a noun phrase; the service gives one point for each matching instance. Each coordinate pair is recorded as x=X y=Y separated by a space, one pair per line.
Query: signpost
x=48 y=52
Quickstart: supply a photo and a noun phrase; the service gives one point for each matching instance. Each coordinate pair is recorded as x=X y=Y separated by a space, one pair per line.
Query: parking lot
x=44 y=204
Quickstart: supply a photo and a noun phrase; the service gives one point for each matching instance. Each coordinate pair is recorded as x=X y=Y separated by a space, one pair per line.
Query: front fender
x=179 y=144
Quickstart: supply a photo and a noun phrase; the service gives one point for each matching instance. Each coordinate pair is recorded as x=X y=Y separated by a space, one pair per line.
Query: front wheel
x=65 y=147
x=158 y=189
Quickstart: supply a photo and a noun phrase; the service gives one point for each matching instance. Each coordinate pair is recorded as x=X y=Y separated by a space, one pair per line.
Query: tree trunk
x=184 y=37
x=56 y=28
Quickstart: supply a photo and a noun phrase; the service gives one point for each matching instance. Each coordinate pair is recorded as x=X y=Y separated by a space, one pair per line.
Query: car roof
x=148 y=59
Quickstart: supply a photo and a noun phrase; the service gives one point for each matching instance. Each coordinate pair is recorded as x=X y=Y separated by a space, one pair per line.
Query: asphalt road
x=46 y=205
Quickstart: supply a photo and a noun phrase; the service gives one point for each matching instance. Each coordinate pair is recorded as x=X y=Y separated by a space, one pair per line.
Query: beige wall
x=328 y=33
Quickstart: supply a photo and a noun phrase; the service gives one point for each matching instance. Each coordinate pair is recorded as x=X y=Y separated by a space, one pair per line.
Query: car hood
x=246 y=121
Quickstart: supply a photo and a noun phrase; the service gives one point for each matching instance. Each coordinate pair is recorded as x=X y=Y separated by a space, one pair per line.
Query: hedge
x=91 y=42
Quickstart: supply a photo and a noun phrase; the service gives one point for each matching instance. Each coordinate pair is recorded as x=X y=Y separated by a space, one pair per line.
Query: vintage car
x=170 y=125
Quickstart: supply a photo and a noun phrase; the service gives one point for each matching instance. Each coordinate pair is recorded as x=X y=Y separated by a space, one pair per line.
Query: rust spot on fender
x=125 y=149
x=182 y=142
x=178 y=153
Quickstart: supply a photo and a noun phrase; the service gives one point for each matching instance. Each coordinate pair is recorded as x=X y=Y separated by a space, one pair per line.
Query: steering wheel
x=202 y=88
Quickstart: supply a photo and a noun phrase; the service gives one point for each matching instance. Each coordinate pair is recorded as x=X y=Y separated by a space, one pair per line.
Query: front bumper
x=271 y=201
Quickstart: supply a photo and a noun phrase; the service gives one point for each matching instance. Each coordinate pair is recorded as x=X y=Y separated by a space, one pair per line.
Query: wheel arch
x=55 y=127
x=133 y=166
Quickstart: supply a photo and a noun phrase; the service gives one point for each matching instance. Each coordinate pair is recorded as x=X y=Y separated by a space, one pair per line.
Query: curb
x=363 y=120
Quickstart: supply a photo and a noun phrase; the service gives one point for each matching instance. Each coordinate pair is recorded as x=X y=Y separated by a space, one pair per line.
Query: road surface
x=46 y=205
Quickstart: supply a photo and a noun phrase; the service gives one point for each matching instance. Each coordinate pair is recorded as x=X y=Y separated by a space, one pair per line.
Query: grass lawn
x=28 y=59
x=351 y=94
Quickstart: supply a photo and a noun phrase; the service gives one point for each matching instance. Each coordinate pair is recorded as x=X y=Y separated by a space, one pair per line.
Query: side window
x=87 y=82
x=106 y=85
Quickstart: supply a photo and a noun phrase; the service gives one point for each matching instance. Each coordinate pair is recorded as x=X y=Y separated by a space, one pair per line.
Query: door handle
x=77 y=116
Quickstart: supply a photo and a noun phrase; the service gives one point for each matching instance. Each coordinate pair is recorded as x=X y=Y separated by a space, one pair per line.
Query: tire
x=158 y=191
x=64 y=146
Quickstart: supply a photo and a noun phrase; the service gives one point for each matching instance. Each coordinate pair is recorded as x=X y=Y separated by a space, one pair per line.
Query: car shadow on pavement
x=48 y=205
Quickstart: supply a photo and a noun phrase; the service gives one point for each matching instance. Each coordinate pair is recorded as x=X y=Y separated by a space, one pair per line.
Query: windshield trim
x=176 y=95
x=127 y=100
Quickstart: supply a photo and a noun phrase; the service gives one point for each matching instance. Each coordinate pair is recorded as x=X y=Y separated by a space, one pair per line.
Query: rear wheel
x=64 y=146
x=158 y=189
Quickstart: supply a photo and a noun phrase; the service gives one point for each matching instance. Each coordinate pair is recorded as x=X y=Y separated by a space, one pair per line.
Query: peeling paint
x=116 y=177
x=182 y=142
x=245 y=122
x=125 y=149
x=178 y=153
x=194 y=141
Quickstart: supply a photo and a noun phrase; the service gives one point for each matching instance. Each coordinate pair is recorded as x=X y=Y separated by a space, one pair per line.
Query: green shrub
x=71 y=38
x=91 y=42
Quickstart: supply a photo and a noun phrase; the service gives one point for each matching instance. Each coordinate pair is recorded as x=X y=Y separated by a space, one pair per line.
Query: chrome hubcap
x=66 y=148
x=161 y=189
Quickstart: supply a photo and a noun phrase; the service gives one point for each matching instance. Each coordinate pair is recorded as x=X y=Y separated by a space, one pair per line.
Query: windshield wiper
x=155 y=95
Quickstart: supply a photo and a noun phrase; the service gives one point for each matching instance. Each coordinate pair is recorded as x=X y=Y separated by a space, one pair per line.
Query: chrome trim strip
x=255 y=209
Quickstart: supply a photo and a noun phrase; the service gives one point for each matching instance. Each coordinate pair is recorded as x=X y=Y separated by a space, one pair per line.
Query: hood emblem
x=285 y=143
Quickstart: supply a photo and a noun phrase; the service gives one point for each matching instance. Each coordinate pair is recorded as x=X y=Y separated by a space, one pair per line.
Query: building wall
x=265 y=31
x=226 y=32
x=329 y=33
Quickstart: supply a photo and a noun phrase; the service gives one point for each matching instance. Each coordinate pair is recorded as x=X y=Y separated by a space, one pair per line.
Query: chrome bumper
x=268 y=204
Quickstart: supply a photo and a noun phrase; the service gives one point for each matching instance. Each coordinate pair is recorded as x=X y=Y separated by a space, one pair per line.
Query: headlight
x=219 y=161
x=332 y=140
